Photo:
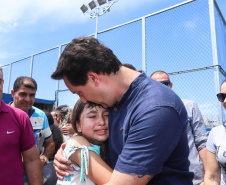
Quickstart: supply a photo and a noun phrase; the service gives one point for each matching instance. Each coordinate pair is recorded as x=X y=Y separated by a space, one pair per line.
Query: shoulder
x=16 y=112
x=38 y=112
x=218 y=129
x=80 y=141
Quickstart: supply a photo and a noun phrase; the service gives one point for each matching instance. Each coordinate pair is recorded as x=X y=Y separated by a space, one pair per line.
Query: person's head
x=54 y=115
x=50 y=118
x=221 y=96
x=130 y=66
x=1 y=84
x=63 y=114
x=162 y=77
x=83 y=55
x=91 y=121
x=82 y=63
x=23 y=93
x=56 y=132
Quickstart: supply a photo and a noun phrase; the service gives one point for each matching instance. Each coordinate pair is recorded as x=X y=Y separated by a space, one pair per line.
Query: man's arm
x=33 y=166
x=49 y=148
x=128 y=179
x=199 y=132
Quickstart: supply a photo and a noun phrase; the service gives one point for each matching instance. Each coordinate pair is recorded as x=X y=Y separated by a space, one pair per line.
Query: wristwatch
x=46 y=159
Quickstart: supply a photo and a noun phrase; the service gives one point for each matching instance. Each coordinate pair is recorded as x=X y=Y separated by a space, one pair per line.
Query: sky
x=29 y=27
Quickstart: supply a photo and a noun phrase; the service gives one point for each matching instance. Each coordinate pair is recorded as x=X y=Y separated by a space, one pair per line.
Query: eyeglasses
x=167 y=82
x=221 y=97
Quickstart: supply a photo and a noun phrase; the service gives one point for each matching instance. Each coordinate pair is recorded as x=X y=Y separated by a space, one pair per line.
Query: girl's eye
x=106 y=115
x=92 y=117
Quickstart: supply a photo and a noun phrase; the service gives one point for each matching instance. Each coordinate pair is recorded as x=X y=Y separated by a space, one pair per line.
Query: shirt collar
x=3 y=107
x=131 y=88
x=30 y=112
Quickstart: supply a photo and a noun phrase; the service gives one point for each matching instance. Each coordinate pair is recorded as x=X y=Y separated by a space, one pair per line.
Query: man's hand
x=61 y=164
x=68 y=129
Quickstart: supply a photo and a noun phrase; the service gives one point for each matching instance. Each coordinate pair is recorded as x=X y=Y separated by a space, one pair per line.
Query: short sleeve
x=151 y=140
x=46 y=129
x=198 y=127
x=27 y=135
x=211 y=146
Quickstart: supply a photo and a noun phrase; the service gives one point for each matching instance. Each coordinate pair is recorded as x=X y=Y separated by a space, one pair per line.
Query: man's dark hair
x=20 y=81
x=84 y=55
x=130 y=66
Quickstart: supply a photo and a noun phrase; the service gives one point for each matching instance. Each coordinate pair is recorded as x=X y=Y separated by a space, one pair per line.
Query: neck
x=123 y=79
x=13 y=105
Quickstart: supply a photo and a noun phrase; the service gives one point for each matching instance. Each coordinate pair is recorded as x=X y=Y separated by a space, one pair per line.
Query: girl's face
x=223 y=90
x=94 y=124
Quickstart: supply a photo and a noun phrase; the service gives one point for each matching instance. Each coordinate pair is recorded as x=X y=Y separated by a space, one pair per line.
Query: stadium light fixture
x=97 y=8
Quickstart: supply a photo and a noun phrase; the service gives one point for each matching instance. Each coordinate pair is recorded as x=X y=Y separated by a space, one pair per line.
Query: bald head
x=162 y=77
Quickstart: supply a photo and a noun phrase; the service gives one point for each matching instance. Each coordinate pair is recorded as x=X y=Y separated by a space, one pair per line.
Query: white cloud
x=24 y=12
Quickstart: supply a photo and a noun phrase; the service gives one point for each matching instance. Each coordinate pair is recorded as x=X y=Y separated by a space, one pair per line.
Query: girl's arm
x=212 y=171
x=99 y=171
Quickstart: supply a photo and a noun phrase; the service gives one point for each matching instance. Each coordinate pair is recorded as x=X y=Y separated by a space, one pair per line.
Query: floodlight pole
x=97 y=15
x=96 y=12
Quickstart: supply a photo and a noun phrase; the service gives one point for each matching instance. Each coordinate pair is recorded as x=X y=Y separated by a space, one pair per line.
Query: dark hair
x=50 y=118
x=84 y=55
x=20 y=81
x=56 y=132
x=63 y=109
x=130 y=66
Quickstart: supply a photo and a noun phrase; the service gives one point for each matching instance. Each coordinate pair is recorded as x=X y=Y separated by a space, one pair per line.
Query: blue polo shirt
x=148 y=134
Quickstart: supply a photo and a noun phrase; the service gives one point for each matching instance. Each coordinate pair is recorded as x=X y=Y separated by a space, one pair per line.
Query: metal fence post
x=31 y=69
x=215 y=57
x=144 y=44
x=58 y=83
x=10 y=69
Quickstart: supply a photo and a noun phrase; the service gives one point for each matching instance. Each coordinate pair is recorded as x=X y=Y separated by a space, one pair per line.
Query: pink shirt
x=16 y=136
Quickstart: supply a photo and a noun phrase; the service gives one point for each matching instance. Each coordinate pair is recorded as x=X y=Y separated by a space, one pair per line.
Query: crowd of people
x=126 y=128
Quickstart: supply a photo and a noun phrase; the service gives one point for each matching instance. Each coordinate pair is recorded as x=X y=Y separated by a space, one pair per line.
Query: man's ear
x=12 y=93
x=94 y=77
x=171 y=85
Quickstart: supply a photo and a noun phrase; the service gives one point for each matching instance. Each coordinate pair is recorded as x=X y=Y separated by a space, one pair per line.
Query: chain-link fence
x=187 y=40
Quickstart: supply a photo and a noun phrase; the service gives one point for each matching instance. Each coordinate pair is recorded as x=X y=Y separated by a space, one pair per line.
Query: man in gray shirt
x=196 y=132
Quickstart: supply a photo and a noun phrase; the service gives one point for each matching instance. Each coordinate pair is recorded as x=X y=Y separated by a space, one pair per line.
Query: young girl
x=90 y=122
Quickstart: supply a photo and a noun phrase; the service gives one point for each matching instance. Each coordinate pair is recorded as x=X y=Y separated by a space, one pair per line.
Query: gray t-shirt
x=197 y=137
x=216 y=144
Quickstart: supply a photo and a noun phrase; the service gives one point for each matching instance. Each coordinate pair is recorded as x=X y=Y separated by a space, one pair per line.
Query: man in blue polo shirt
x=23 y=93
x=147 y=121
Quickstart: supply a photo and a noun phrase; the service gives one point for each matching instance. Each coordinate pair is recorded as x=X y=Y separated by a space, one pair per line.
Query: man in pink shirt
x=17 y=141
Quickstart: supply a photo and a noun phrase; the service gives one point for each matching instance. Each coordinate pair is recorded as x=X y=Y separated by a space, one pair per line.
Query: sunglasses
x=167 y=82
x=221 y=97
